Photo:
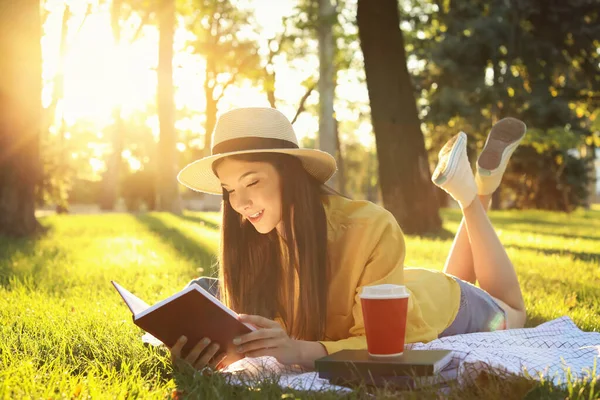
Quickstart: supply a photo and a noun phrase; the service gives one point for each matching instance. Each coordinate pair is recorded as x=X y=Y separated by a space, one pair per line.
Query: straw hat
x=253 y=130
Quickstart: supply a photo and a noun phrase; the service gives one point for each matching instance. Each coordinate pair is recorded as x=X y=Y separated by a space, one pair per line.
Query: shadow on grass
x=442 y=234
x=586 y=295
x=575 y=255
x=200 y=220
x=583 y=290
x=9 y=248
x=504 y=219
x=501 y=221
x=187 y=248
x=534 y=320
x=20 y=257
x=562 y=235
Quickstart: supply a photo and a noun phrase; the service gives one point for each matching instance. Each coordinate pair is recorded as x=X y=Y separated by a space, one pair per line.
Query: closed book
x=191 y=312
x=358 y=365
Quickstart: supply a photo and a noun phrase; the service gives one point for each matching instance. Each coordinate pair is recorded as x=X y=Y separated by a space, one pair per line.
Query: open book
x=192 y=312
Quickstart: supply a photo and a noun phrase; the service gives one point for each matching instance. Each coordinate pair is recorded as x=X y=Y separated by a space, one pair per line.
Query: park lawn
x=65 y=332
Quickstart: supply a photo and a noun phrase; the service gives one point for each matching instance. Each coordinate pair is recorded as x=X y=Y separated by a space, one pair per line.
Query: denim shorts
x=478 y=312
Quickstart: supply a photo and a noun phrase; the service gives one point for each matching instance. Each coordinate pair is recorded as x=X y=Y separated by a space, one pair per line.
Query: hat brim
x=200 y=177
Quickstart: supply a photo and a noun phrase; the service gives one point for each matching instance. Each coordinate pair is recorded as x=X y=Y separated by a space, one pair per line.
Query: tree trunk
x=269 y=86
x=497 y=112
x=20 y=115
x=404 y=174
x=49 y=114
x=211 y=103
x=327 y=140
x=341 y=172
x=110 y=181
x=168 y=191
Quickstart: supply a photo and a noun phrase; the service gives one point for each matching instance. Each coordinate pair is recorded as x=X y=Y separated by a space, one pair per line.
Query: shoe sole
x=443 y=172
x=506 y=134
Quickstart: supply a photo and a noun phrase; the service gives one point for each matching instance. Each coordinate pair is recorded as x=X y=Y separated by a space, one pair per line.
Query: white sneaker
x=453 y=172
x=502 y=141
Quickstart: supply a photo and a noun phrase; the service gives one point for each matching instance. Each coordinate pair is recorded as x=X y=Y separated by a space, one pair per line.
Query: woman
x=294 y=255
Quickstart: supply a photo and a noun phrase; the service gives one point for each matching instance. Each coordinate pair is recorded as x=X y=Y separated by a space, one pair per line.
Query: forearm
x=309 y=352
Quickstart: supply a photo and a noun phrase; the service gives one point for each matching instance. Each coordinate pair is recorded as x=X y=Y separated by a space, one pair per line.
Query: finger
x=208 y=354
x=259 y=321
x=197 y=350
x=259 y=344
x=176 y=349
x=256 y=335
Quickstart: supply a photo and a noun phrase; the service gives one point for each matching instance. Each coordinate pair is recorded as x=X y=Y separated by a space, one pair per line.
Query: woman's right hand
x=203 y=354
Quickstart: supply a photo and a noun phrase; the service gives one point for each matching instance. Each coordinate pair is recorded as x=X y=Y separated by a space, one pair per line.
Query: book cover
x=192 y=312
x=354 y=365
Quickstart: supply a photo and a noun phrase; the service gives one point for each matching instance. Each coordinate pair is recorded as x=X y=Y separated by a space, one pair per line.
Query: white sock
x=453 y=173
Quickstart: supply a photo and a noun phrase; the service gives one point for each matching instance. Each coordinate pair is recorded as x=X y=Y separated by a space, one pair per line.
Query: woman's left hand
x=269 y=340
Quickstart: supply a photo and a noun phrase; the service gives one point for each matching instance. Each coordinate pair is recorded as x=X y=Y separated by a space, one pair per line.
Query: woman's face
x=254 y=192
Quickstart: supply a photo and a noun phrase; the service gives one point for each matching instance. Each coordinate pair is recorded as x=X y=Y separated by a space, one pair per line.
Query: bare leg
x=493 y=269
x=460 y=259
x=477 y=254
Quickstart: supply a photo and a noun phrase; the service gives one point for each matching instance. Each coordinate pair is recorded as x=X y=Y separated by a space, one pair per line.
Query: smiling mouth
x=256 y=217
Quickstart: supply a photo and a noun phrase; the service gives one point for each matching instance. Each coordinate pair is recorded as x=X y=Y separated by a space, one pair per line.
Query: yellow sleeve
x=383 y=239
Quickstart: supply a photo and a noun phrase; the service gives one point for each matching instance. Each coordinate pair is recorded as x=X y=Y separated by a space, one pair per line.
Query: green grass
x=65 y=333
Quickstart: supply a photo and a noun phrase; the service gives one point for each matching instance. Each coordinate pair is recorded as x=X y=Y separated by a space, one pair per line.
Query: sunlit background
x=105 y=109
x=100 y=75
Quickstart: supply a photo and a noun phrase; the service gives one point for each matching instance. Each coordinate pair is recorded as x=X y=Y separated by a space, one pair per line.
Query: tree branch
x=143 y=22
x=234 y=76
x=88 y=12
x=301 y=108
x=229 y=82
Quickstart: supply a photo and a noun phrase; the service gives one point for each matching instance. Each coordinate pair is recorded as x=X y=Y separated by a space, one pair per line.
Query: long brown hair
x=254 y=281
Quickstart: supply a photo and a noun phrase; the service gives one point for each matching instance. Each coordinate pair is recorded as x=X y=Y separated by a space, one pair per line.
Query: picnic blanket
x=550 y=351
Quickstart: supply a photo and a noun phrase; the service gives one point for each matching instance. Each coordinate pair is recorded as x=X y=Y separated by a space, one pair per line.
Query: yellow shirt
x=366 y=247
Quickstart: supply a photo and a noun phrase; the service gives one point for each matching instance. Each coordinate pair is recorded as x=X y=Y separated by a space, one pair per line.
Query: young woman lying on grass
x=295 y=255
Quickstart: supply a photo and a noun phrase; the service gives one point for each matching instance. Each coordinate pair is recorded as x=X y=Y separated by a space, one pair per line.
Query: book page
x=442 y=363
x=135 y=304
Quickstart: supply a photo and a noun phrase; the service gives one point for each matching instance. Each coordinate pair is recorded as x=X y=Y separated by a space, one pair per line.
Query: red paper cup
x=384 y=311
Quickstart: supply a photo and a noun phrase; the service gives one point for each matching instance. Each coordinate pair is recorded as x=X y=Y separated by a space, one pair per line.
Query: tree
x=111 y=178
x=404 y=172
x=533 y=59
x=327 y=126
x=110 y=182
x=218 y=26
x=55 y=169
x=20 y=115
x=168 y=192
x=323 y=21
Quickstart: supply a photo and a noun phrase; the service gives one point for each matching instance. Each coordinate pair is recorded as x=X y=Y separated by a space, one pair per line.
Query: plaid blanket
x=551 y=351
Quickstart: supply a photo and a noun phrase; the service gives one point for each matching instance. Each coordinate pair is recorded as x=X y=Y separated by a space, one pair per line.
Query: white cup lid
x=385 y=291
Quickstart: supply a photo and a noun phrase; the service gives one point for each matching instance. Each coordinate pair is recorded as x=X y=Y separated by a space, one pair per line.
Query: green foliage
x=361 y=170
x=67 y=334
x=302 y=26
x=138 y=189
x=56 y=177
x=550 y=180
x=534 y=60
x=547 y=172
x=219 y=28
x=85 y=191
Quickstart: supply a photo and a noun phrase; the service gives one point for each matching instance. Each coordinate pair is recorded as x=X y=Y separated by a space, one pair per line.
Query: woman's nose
x=244 y=201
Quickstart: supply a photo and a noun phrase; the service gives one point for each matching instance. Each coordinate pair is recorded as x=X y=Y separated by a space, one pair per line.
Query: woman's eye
x=252 y=184
x=230 y=191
